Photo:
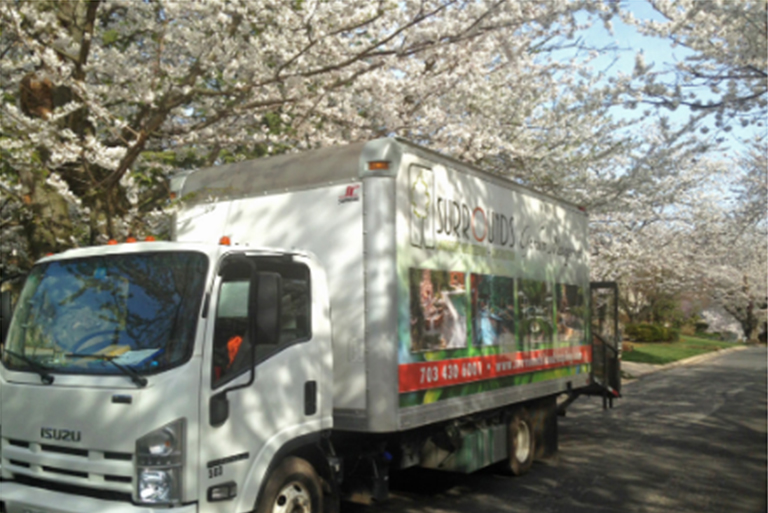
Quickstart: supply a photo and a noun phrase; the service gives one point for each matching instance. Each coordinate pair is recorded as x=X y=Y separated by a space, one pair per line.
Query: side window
x=295 y=308
x=231 y=347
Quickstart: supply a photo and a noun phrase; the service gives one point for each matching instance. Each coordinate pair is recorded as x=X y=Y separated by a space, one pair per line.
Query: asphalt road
x=687 y=439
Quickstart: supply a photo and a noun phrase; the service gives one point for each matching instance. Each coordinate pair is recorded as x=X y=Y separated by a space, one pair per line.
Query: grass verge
x=660 y=353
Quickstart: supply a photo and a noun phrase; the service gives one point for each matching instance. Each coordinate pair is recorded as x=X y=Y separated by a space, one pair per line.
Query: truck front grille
x=106 y=495
x=55 y=466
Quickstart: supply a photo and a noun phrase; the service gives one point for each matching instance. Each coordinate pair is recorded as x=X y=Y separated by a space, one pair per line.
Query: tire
x=293 y=487
x=521 y=443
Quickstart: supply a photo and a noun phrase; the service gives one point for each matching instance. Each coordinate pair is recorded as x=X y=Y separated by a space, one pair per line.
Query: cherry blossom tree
x=646 y=238
x=736 y=274
x=711 y=237
x=103 y=99
x=740 y=267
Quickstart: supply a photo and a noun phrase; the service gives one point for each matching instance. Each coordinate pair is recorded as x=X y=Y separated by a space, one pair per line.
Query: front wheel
x=293 y=487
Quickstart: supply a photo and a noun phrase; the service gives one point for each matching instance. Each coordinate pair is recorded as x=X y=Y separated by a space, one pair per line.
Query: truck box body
x=452 y=290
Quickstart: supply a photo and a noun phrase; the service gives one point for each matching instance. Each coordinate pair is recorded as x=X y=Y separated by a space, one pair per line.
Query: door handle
x=310 y=398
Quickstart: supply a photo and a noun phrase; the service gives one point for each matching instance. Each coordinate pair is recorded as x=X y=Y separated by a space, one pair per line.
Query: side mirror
x=264 y=308
x=6 y=311
x=218 y=409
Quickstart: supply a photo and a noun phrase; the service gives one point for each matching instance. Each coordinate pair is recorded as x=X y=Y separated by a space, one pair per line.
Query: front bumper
x=19 y=498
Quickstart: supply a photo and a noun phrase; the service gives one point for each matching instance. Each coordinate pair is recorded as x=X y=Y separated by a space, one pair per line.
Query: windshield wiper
x=137 y=378
x=41 y=369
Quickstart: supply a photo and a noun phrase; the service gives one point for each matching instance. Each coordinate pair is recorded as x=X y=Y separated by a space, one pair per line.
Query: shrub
x=642 y=332
x=651 y=333
x=701 y=326
x=688 y=329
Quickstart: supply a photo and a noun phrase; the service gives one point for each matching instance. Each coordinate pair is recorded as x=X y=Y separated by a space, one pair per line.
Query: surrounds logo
x=351 y=194
x=422 y=196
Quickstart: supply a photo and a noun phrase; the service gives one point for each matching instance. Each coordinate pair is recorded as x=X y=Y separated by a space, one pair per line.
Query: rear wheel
x=521 y=443
x=293 y=487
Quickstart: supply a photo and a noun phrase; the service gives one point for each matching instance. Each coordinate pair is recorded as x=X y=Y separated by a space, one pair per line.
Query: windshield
x=84 y=316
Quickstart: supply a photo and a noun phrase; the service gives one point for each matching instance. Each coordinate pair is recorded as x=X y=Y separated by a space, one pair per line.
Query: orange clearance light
x=130 y=239
x=225 y=241
x=378 y=165
x=149 y=238
x=111 y=242
x=173 y=195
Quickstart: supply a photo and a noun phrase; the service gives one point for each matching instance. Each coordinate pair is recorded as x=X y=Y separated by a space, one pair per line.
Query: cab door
x=267 y=405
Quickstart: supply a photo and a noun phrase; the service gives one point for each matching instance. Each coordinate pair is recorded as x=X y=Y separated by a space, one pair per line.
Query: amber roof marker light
x=378 y=165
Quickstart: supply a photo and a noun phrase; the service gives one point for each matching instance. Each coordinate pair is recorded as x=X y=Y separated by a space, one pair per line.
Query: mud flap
x=544 y=420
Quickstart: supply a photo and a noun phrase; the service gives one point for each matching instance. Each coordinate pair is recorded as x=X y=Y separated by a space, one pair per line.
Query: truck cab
x=161 y=374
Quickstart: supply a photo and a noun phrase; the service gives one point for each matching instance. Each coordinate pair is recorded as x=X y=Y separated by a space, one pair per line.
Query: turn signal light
x=225 y=241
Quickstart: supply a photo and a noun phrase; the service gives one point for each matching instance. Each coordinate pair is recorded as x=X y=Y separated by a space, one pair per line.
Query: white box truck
x=319 y=320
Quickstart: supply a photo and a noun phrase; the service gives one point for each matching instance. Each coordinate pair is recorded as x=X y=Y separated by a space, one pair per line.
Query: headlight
x=160 y=464
x=156 y=486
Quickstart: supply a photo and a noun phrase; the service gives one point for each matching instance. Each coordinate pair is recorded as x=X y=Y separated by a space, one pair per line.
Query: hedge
x=651 y=333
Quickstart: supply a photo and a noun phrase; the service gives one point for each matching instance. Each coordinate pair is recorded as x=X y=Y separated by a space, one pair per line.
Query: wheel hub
x=293 y=498
x=522 y=442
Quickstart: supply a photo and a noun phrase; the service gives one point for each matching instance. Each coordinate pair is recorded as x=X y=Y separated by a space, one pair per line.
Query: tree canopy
x=103 y=100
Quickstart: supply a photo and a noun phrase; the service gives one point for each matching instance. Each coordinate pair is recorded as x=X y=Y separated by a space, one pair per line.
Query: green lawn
x=661 y=353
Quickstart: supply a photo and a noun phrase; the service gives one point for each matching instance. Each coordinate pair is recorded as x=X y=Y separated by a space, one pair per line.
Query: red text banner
x=458 y=371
